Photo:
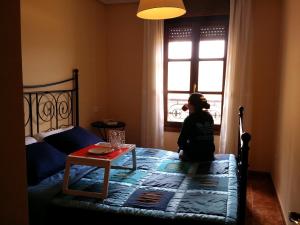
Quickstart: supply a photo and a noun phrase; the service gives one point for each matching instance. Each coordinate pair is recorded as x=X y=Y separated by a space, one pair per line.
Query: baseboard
x=281 y=211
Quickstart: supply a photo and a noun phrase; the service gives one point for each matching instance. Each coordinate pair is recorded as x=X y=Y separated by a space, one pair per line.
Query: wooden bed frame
x=50 y=110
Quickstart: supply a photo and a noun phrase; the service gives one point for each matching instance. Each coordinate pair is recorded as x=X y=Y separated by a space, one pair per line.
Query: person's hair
x=199 y=102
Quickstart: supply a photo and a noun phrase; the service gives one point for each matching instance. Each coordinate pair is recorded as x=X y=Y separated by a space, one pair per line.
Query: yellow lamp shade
x=160 y=9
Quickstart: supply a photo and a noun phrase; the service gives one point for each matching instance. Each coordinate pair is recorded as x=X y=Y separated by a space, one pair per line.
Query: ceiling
x=117 y=1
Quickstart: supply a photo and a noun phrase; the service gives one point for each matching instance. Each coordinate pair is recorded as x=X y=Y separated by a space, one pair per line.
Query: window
x=194 y=61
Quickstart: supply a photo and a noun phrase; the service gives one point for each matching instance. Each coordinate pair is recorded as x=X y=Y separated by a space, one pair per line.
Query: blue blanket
x=162 y=187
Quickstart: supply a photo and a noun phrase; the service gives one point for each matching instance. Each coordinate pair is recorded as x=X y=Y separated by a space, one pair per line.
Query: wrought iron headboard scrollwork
x=47 y=107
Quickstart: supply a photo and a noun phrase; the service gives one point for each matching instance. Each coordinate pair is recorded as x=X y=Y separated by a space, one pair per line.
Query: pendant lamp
x=160 y=9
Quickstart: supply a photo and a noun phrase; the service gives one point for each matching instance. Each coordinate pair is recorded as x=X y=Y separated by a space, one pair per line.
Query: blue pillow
x=43 y=160
x=72 y=140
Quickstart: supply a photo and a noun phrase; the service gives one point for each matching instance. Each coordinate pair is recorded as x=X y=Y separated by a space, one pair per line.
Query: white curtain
x=152 y=132
x=238 y=82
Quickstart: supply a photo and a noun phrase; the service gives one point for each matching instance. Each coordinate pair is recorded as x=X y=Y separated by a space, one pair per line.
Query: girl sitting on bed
x=196 y=139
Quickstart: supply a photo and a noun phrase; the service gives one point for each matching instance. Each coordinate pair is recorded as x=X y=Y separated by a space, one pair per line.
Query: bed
x=162 y=190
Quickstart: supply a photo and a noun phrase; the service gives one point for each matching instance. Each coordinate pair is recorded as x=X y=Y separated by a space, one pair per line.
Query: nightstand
x=103 y=127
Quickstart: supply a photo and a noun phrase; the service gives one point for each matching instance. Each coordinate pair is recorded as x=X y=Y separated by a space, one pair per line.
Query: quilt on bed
x=162 y=187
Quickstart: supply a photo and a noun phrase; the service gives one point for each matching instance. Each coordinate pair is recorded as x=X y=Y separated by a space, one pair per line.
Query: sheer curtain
x=238 y=82
x=152 y=132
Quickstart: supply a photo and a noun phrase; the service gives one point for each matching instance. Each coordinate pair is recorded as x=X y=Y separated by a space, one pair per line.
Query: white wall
x=286 y=167
x=59 y=35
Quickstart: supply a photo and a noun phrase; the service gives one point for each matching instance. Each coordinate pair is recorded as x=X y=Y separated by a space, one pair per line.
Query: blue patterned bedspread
x=161 y=187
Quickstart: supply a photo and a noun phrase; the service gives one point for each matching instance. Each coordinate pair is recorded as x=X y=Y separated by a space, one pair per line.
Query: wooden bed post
x=75 y=77
x=243 y=152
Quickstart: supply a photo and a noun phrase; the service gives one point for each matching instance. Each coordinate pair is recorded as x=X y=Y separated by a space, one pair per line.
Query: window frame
x=194 y=23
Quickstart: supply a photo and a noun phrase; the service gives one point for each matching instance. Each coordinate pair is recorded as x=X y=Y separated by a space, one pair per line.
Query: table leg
x=66 y=177
x=106 y=180
x=133 y=159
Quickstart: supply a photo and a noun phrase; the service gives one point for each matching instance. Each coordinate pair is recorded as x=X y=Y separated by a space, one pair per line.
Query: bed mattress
x=163 y=190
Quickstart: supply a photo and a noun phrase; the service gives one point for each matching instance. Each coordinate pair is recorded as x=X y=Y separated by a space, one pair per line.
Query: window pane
x=215 y=106
x=210 y=76
x=211 y=49
x=175 y=103
x=179 y=76
x=180 y=50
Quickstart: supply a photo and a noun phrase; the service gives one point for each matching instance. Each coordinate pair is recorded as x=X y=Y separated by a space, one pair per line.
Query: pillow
x=30 y=140
x=40 y=136
x=72 y=140
x=43 y=160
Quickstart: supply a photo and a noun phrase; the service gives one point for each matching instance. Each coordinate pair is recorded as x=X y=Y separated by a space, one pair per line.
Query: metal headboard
x=242 y=160
x=51 y=106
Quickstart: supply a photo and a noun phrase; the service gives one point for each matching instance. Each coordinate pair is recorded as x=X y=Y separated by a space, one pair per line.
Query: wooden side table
x=83 y=157
x=103 y=127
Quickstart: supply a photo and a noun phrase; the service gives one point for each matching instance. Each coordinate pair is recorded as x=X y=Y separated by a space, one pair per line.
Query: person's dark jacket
x=197 y=137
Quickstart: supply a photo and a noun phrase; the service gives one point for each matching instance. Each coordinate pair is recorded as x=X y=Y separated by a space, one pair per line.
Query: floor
x=262 y=203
